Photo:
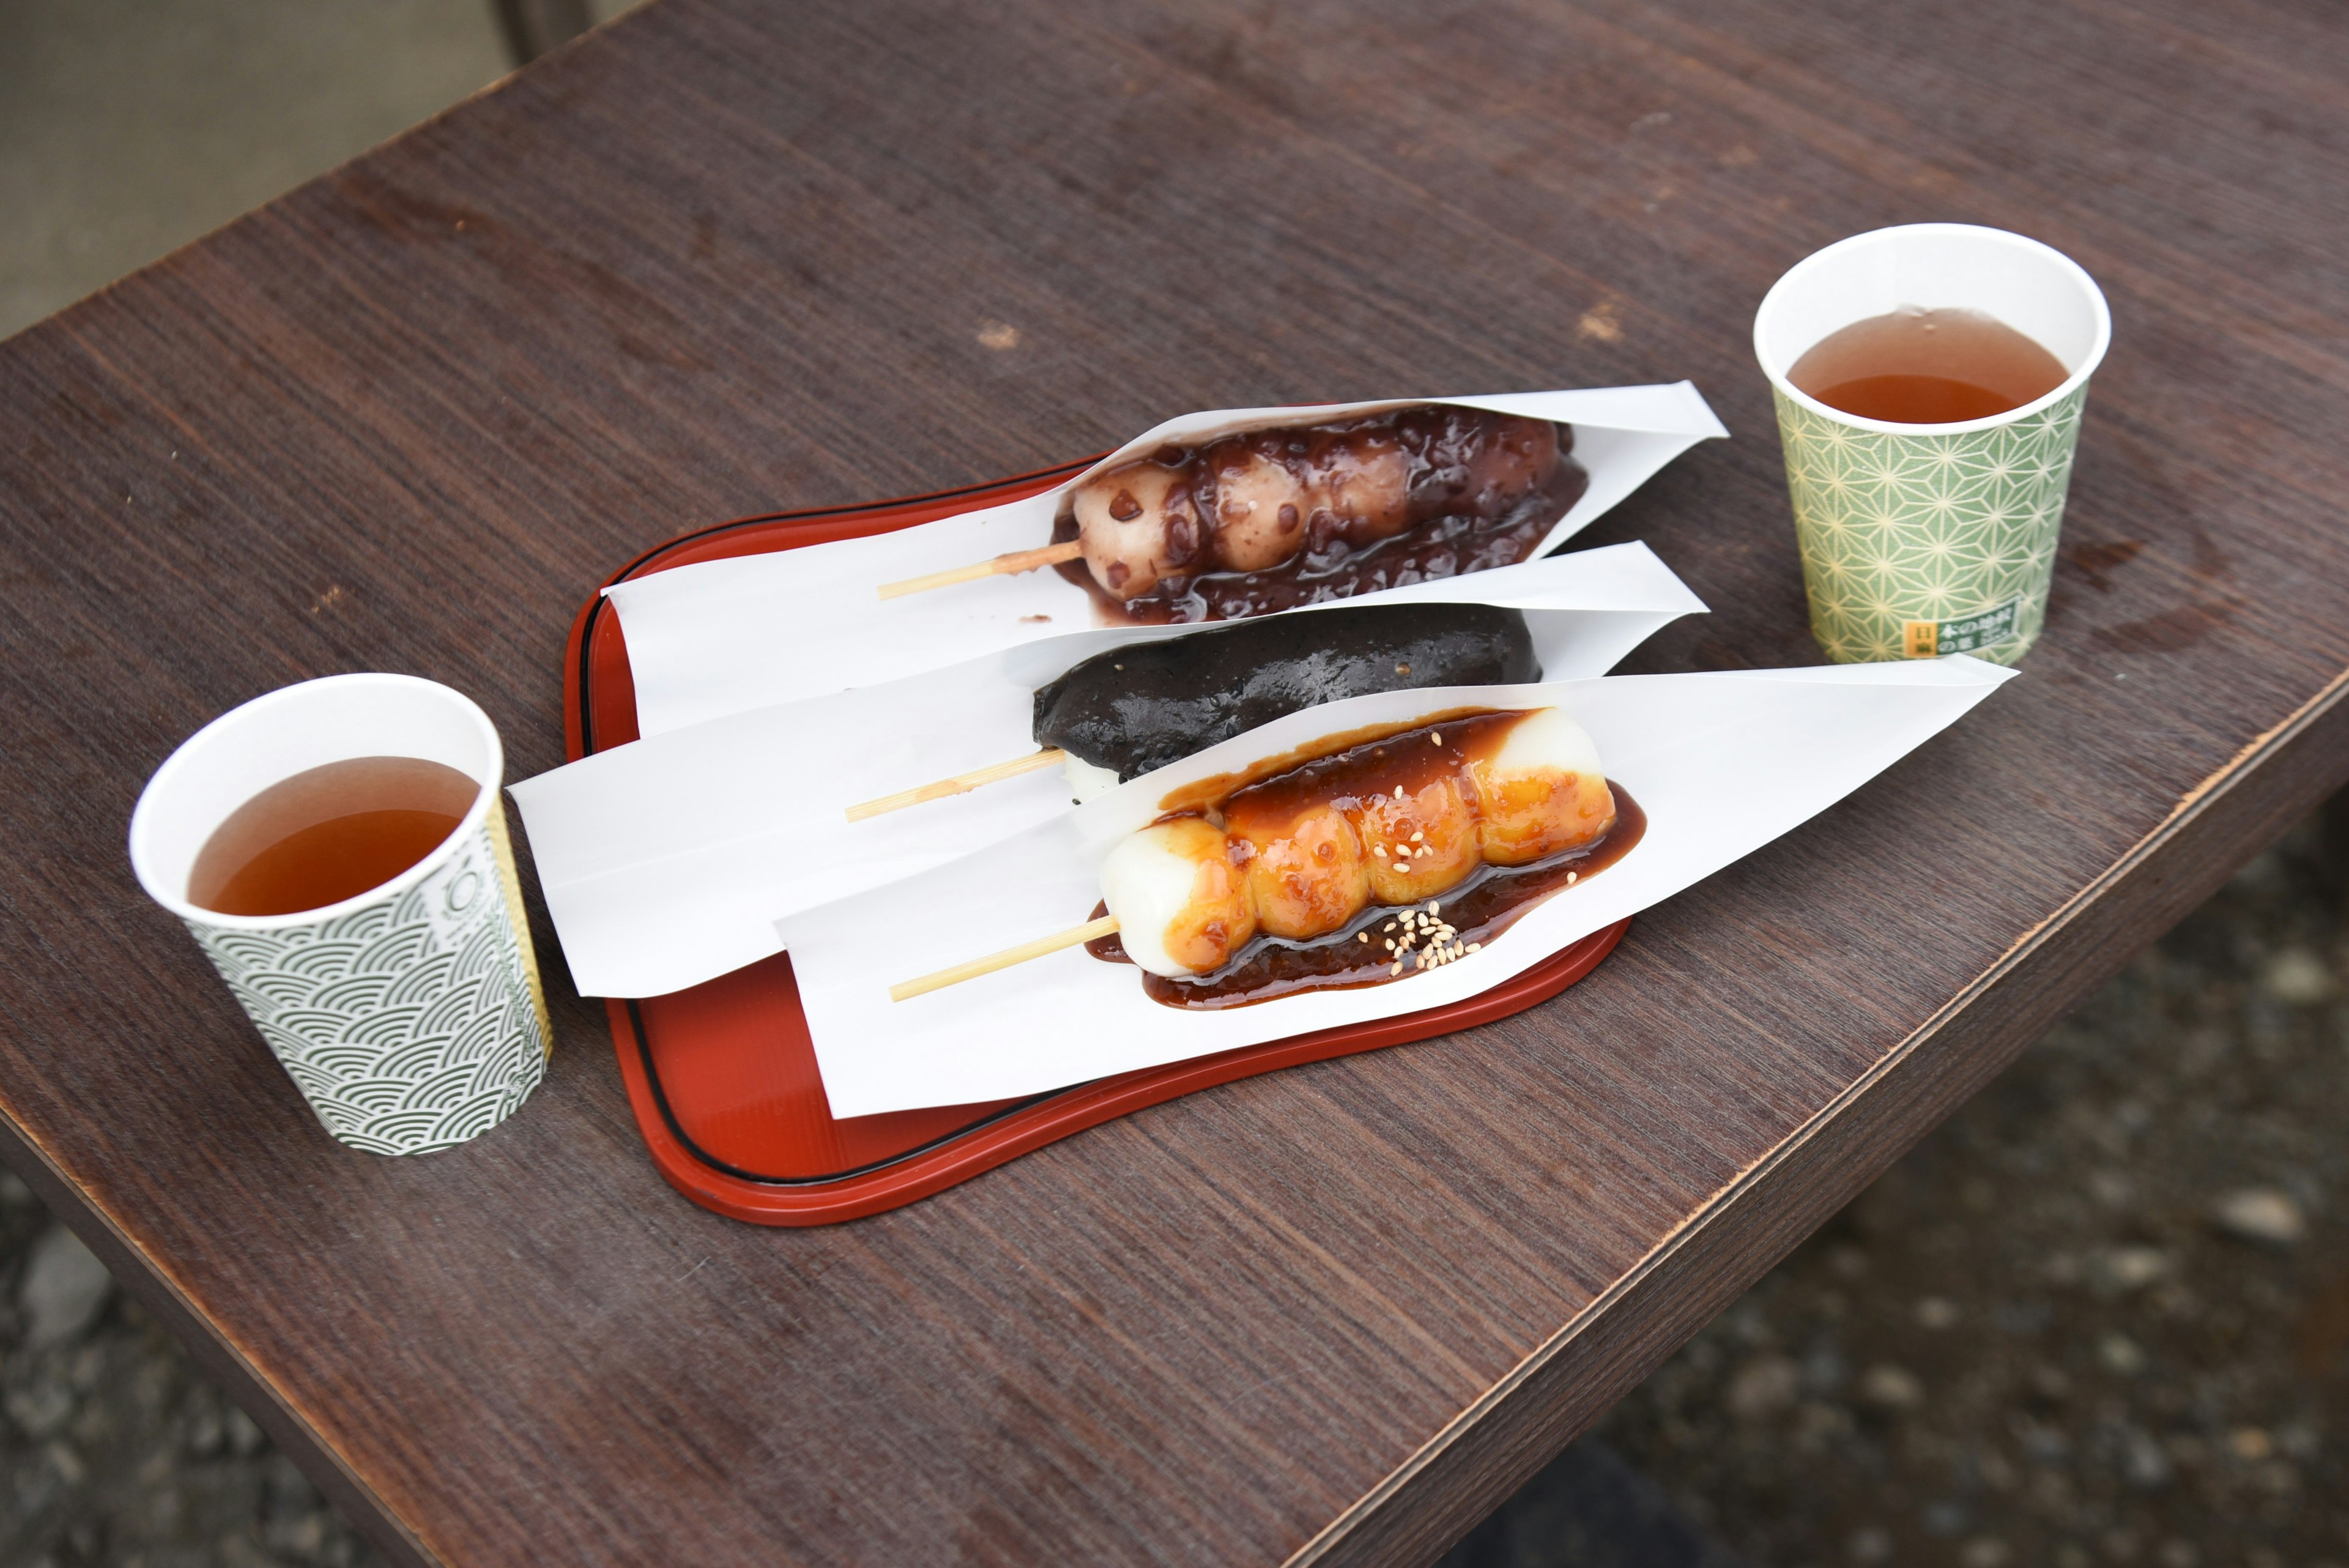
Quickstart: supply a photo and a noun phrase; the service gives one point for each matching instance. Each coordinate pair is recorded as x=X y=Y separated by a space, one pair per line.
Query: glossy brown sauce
x=1327 y=750
x=1491 y=900
x=1439 y=547
x=1408 y=761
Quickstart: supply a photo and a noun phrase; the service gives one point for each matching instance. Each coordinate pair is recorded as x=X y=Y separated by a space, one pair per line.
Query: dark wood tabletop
x=725 y=257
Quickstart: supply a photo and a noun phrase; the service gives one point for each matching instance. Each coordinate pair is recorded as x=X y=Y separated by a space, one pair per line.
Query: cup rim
x=165 y=776
x=2072 y=383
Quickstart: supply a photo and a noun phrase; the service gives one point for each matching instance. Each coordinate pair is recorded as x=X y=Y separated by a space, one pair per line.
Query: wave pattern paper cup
x=411 y=1015
x=1920 y=540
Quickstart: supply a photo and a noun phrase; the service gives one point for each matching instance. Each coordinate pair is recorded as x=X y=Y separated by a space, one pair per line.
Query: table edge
x=1499 y=1440
x=137 y=1271
x=1522 y=1420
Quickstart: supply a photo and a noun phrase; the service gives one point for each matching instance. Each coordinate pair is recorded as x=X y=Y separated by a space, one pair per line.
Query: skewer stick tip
x=961 y=784
x=1007 y=564
x=954 y=975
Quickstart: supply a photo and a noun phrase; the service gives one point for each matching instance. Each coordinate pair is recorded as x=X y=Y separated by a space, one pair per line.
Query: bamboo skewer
x=1009 y=565
x=961 y=784
x=972 y=969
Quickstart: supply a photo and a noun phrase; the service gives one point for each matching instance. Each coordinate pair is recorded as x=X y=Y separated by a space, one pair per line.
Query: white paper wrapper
x=721 y=637
x=1722 y=764
x=667 y=862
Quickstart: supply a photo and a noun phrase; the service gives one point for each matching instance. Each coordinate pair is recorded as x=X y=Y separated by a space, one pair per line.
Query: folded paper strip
x=721 y=637
x=1722 y=764
x=668 y=862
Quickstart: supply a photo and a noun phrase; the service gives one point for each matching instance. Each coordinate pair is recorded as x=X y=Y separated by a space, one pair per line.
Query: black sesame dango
x=1133 y=710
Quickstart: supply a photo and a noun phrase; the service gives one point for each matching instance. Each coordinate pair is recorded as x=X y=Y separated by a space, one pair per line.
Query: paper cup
x=1921 y=540
x=409 y=1016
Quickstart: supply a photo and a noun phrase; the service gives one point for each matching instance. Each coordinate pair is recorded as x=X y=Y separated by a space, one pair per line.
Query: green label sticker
x=1967 y=634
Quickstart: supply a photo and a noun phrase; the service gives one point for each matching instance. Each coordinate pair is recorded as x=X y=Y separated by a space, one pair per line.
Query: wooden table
x=726 y=256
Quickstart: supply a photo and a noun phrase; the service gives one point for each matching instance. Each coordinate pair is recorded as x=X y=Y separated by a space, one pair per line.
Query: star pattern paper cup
x=410 y=1016
x=1919 y=540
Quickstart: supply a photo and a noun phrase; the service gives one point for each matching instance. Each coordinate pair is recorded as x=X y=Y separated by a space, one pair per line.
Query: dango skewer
x=1133 y=710
x=1301 y=855
x=1283 y=497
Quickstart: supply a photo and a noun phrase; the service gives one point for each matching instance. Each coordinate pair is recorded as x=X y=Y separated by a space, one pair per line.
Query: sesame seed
x=1379 y=850
x=1475 y=947
x=1437 y=736
x=1361 y=936
x=1433 y=907
x=1572 y=877
x=1395 y=968
x=1416 y=838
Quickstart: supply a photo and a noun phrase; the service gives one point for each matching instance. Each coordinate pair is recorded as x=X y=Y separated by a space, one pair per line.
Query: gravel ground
x=116 y=1449
x=2100 y=1317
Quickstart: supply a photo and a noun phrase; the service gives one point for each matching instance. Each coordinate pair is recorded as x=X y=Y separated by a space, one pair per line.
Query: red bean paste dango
x=1270 y=519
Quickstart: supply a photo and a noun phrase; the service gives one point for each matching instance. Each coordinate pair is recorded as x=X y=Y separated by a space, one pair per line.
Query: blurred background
x=2100 y=1317
x=128 y=128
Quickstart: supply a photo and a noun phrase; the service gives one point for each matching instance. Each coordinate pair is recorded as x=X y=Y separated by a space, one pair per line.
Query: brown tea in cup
x=1918 y=367
x=329 y=834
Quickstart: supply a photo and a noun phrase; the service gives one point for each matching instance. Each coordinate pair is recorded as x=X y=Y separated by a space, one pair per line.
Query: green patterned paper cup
x=1920 y=540
x=409 y=1016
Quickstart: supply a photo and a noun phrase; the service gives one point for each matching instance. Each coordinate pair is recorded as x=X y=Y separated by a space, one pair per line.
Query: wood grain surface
x=724 y=258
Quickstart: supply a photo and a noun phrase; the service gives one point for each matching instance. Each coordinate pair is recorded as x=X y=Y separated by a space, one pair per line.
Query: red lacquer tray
x=722 y=1077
